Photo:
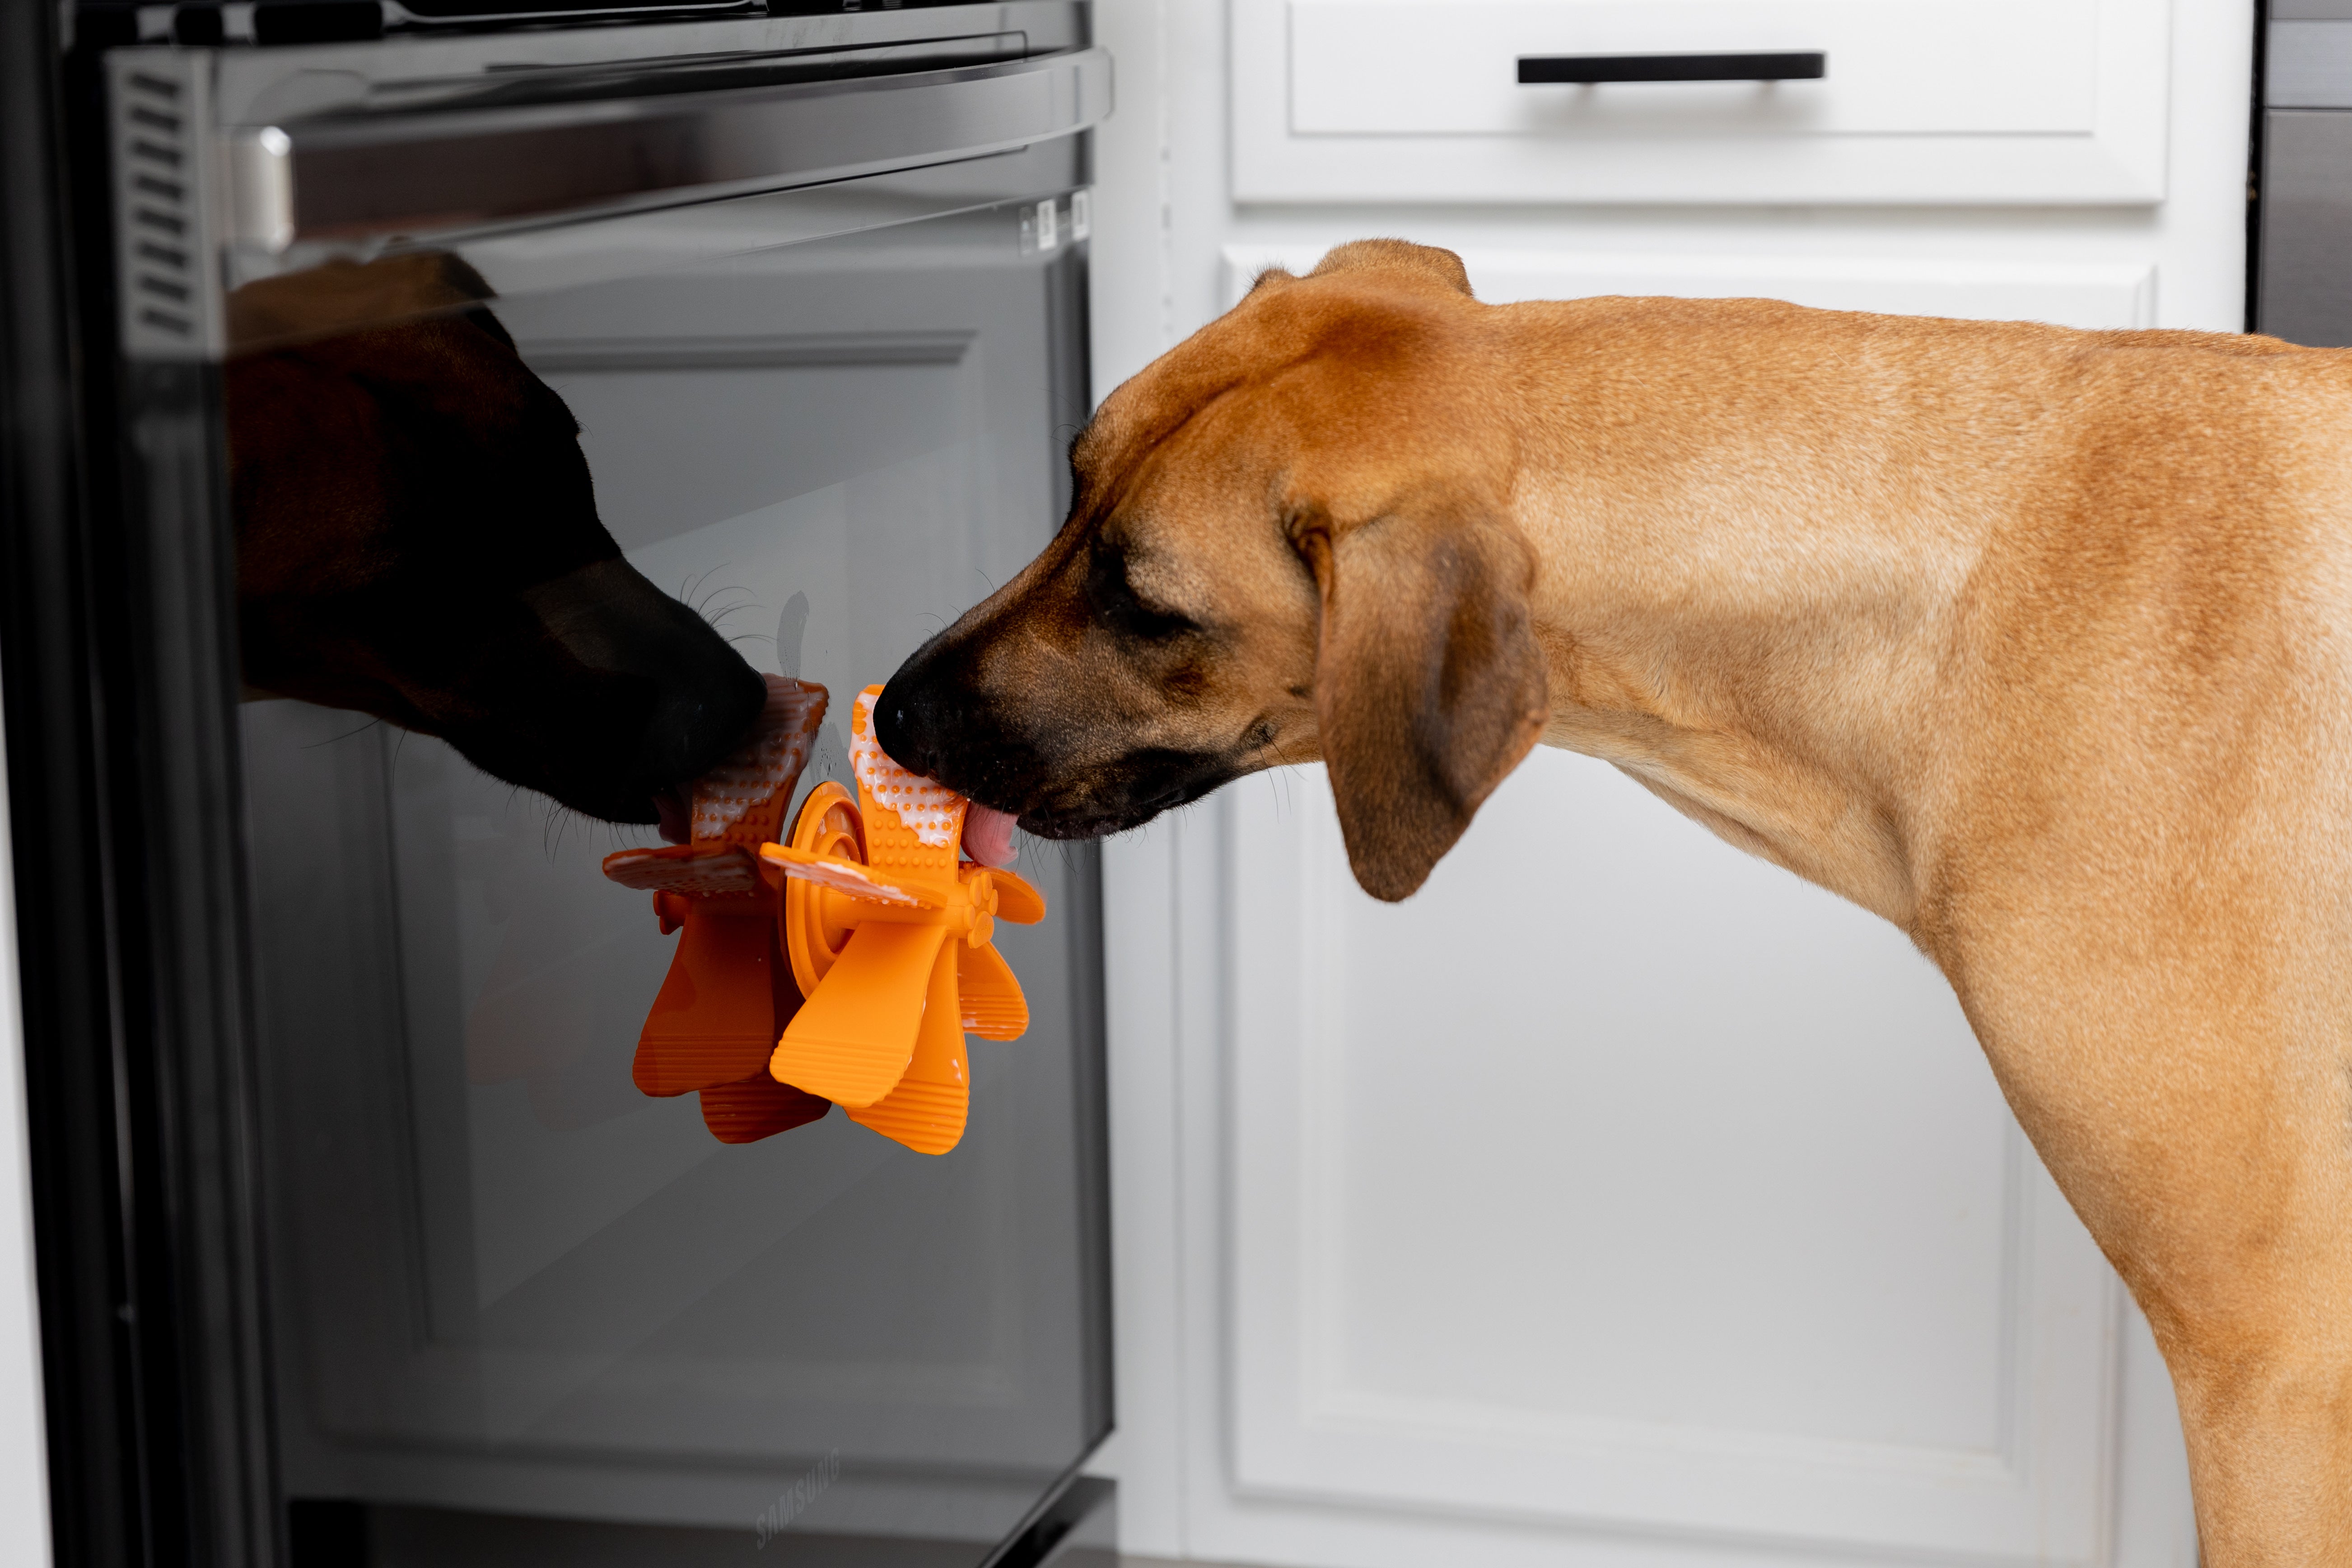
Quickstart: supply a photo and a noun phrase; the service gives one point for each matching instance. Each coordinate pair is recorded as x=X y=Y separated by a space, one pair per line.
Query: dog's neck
x=1781 y=715
x=1747 y=604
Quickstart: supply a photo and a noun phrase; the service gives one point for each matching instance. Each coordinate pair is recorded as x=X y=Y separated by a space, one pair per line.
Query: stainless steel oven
x=359 y=1244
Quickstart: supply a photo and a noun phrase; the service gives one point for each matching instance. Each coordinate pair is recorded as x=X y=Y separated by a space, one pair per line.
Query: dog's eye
x=1114 y=599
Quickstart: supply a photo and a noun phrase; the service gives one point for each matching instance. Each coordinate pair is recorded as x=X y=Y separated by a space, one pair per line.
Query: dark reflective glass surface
x=514 y=1299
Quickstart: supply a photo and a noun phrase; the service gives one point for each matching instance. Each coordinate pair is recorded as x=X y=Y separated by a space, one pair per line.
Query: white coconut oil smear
x=927 y=807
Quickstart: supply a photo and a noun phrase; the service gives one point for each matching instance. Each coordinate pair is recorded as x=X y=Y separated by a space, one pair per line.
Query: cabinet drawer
x=1917 y=100
x=1960 y=67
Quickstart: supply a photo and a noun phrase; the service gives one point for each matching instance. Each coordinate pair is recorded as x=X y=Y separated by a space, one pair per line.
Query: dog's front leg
x=2185 y=1085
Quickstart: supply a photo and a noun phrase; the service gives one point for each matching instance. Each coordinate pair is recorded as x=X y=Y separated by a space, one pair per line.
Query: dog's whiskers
x=337 y=739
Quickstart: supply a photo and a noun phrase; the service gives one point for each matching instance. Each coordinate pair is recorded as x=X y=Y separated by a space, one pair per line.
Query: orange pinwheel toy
x=842 y=967
x=890 y=933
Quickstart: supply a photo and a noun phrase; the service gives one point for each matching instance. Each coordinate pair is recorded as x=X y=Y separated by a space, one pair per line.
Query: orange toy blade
x=757 y=1107
x=1016 y=899
x=714 y=1017
x=845 y=877
x=927 y=1111
x=706 y=870
x=851 y=1042
x=994 y=1008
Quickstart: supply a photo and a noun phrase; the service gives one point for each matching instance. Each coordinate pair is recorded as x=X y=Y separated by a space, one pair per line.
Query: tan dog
x=2034 y=641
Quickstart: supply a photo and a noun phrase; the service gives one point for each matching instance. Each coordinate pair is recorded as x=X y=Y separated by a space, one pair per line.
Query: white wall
x=1169 y=239
x=24 y=1455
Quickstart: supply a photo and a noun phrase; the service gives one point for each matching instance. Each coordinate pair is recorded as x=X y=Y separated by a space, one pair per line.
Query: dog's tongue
x=988 y=835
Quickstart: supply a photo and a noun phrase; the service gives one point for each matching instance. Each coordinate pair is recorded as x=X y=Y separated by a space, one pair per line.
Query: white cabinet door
x=1619 y=1180
x=1916 y=100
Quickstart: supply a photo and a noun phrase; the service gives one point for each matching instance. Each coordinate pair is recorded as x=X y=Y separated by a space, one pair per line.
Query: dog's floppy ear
x=1429 y=686
x=1425 y=262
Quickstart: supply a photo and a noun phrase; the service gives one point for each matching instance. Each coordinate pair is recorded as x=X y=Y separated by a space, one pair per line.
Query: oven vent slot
x=160 y=178
x=156 y=196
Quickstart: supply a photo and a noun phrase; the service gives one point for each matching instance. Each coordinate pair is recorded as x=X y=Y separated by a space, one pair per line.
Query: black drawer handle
x=1811 y=65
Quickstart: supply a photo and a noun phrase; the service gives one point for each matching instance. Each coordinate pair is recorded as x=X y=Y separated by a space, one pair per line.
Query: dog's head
x=417 y=538
x=1289 y=539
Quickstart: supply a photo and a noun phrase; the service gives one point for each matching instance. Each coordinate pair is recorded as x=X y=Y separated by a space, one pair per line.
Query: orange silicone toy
x=889 y=934
x=729 y=989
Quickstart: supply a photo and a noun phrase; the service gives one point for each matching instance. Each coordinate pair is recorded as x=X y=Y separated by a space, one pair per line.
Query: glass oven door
x=512 y=1310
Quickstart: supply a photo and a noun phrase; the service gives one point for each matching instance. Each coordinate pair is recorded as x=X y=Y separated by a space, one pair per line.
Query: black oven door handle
x=356 y=175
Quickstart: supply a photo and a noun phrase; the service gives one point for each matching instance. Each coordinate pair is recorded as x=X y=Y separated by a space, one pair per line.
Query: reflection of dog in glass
x=417 y=539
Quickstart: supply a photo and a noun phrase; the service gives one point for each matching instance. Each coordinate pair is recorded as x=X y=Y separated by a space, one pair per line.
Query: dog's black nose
x=663 y=699
x=908 y=718
x=707 y=703
x=937 y=718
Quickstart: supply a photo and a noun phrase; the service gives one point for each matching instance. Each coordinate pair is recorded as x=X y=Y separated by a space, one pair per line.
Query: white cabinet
x=1921 y=101
x=1619 y=1180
